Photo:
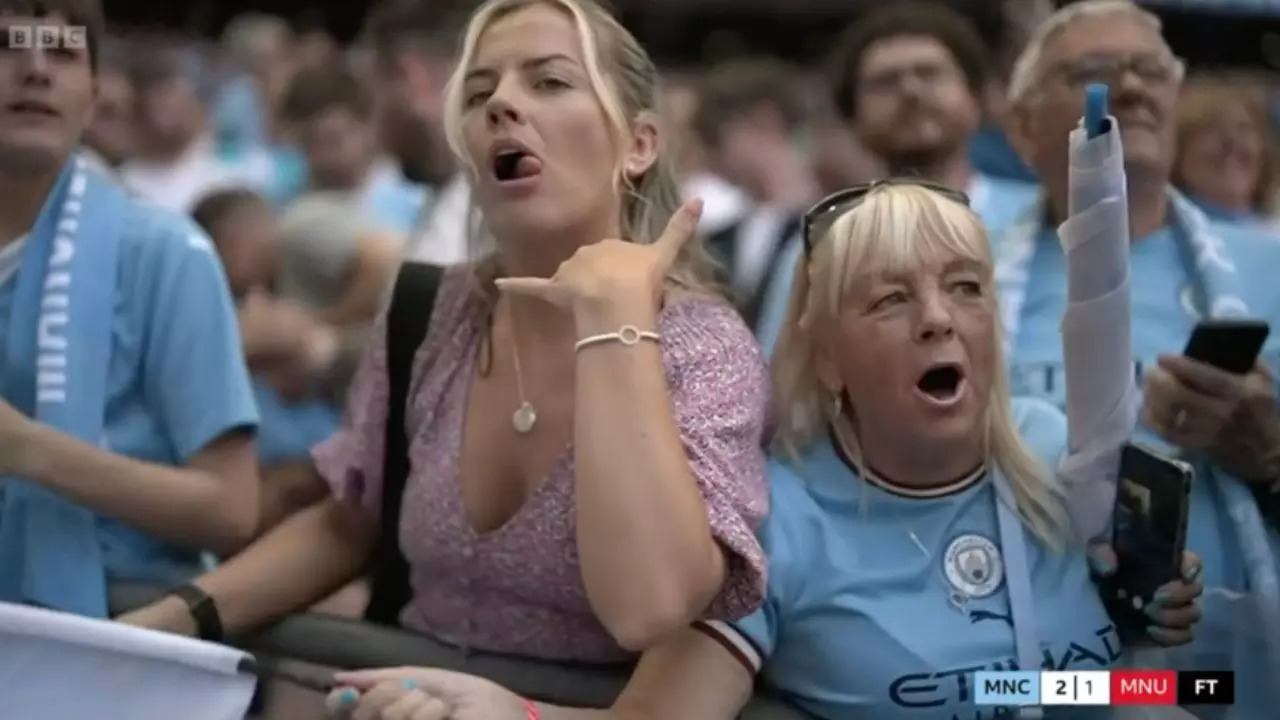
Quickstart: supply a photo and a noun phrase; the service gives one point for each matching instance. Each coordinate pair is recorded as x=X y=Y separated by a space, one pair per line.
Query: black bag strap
x=752 y=307
x=408 y=318
x=1268 y=498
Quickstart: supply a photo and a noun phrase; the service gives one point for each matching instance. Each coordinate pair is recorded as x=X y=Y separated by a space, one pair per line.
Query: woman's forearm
x=649 y=561
x=306 y=559
x=302 y=561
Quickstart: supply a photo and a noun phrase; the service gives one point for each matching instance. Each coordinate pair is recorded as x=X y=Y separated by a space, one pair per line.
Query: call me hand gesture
x=613 y=272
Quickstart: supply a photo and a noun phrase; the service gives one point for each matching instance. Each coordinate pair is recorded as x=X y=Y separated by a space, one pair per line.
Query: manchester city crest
x=973 y=567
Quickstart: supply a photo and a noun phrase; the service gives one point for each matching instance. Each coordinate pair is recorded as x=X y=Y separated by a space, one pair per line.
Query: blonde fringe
x=899 y=226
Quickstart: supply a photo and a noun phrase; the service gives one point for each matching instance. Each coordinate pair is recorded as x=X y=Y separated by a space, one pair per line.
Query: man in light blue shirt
x=1183 y=268
x=127 y=420
x=909 y=84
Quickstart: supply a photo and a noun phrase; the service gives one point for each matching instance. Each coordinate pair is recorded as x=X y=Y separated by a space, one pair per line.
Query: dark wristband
x=203 y=610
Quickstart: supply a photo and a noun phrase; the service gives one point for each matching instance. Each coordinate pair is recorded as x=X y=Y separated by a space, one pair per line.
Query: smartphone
x=1232 y=345
x=1149 y=536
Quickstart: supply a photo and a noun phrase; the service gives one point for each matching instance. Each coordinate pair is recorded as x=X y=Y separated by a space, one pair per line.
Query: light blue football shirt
x=859 y=620
x=394 y=202
x=289 y=429
x=177 y=378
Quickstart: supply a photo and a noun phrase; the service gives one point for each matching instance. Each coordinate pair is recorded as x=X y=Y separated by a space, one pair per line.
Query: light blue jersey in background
x=290 y=429
x=393 y=201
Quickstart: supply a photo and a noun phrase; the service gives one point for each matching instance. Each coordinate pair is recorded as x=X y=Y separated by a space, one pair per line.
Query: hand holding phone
x=1149 y=536
x=1232 y=345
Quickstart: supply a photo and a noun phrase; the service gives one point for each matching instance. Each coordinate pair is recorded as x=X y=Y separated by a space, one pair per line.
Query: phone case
x=1150 y=530
x=1230 y=345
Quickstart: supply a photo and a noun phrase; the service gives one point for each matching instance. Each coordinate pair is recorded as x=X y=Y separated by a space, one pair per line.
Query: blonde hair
x=1029 y=67
x=896 y=227
x=626 y=84
x=1203 y=99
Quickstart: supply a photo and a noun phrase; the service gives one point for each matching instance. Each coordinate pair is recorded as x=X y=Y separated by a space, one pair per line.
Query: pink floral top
x=519 y=589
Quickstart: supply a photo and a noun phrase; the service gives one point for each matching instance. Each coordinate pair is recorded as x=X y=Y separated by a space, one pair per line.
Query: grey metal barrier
x=345 y=643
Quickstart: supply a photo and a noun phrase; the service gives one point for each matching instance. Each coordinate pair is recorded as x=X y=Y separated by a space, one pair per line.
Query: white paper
x=55 y=666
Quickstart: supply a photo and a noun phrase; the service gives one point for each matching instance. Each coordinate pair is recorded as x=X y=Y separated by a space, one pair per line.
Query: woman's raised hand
x=612 y=270
x=1174 y=611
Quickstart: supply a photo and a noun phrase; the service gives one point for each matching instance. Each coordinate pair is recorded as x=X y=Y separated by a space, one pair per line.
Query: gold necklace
x=525 y=416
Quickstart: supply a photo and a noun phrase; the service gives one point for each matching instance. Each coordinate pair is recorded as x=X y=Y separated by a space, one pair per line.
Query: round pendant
x=524 y=418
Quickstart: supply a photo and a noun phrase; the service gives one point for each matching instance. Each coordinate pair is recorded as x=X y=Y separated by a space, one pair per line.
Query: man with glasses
x=908 y=80
x=1184 y=268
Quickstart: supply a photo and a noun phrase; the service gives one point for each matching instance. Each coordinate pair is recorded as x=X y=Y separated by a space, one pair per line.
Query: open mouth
x=942 y=383
x=512 y=165
x=31 y=108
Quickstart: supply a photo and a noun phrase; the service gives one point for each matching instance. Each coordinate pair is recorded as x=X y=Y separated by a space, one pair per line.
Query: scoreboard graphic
x=1103 y=687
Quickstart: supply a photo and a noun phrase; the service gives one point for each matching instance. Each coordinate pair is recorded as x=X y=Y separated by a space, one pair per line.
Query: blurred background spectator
x=274 y=96
x=1227 y=149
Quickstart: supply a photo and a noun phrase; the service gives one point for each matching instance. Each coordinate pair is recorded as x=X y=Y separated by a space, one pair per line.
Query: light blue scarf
x=57 y=354
x=1214 y=278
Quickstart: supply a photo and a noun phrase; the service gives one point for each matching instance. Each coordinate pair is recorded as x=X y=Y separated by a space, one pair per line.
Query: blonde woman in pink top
x=586 y=417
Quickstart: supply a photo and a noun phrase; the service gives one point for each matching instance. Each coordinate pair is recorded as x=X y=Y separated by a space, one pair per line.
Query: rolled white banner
x=1102 y=397
x=56 y=666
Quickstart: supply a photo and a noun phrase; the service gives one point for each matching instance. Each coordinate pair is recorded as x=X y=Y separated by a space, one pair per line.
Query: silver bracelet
x=627 y=335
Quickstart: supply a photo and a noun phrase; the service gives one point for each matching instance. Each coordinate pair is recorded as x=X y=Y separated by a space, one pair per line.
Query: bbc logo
x=27 y=37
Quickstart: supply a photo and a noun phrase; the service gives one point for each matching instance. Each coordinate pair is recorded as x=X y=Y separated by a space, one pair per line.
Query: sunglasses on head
x=818 y=220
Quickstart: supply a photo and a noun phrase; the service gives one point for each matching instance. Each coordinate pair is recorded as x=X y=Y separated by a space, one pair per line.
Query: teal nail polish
x=1161 y=597
x=409 y=684
x=1101 y=566
x=1192 y=573
x=349 y=697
